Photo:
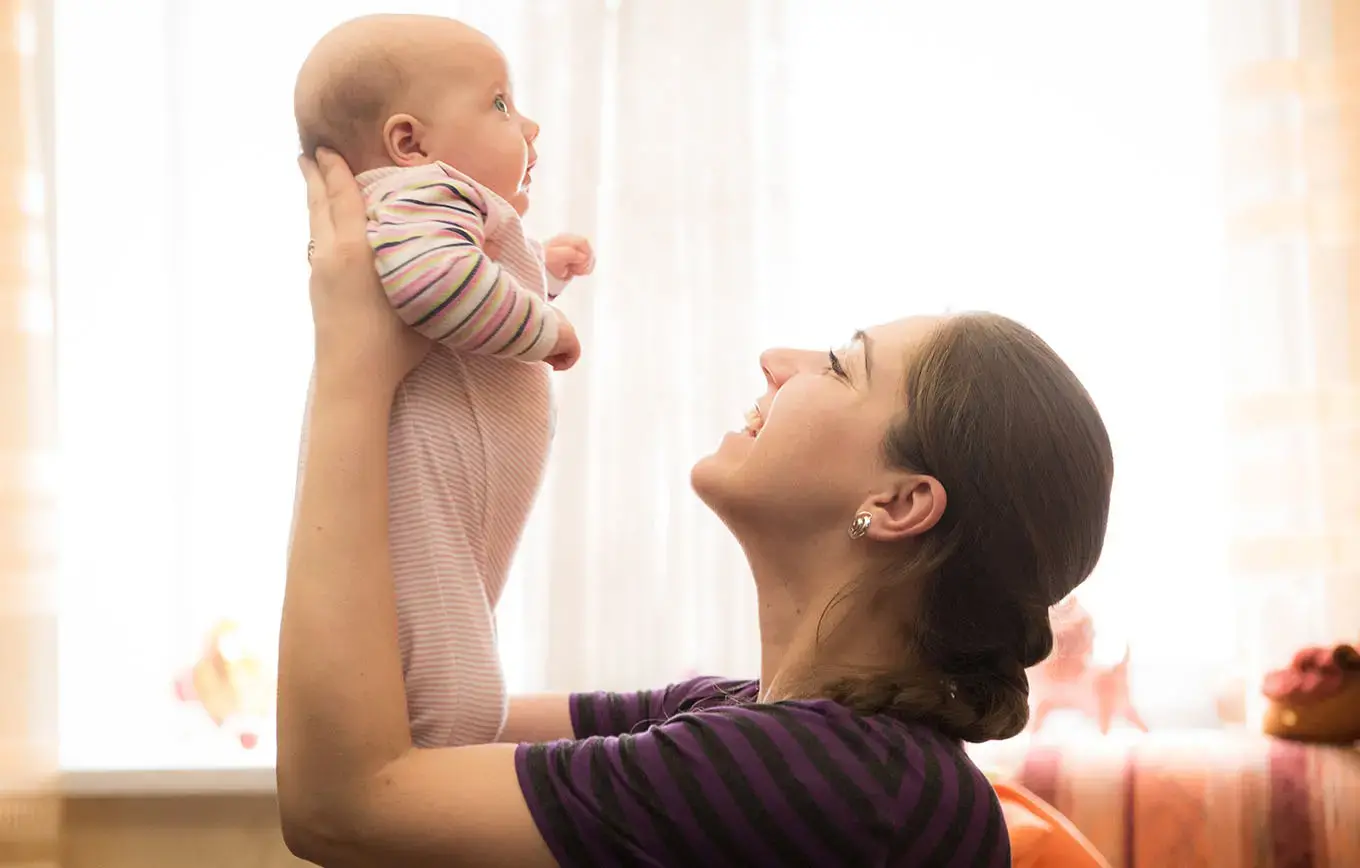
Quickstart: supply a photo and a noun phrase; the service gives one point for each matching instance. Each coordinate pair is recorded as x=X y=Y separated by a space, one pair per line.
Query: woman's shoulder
x=622 y=712
x=901 y=793
x=729 y=780
x=708 y=692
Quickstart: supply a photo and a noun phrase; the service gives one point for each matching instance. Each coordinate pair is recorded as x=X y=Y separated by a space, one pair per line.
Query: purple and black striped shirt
x=700 y=773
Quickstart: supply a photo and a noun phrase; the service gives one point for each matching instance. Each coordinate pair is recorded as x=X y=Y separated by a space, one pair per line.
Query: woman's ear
x=910 y=508
x=403 y=138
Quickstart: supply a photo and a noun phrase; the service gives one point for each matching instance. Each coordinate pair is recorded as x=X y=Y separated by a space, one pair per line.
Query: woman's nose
x=780 y=364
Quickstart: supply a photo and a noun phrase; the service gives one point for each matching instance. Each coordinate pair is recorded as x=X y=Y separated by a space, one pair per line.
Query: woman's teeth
x=754 y=421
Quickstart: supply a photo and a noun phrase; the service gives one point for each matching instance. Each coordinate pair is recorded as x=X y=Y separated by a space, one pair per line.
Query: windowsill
x=133 y=783
x=258 y=780
x=206 y=766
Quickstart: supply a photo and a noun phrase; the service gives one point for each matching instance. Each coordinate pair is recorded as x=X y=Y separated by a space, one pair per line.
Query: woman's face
x=812 y=454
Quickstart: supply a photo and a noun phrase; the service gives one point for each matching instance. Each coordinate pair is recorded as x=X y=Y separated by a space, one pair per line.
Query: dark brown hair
x=999 y=419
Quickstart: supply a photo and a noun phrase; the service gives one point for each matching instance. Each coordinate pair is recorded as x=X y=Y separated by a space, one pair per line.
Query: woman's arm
x=537 y=717
x=552 y=716
x=352 y=790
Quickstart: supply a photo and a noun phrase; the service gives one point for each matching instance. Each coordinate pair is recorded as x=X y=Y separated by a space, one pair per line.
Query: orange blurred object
x=1040 y=836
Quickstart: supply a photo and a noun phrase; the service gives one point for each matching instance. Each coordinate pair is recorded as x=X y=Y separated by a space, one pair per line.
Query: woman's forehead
x=892 y=342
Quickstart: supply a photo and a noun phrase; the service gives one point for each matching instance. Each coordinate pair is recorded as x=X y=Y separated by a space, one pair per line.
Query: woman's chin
x=711 y=475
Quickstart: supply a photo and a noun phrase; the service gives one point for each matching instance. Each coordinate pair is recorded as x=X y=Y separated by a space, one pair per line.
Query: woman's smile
x=755 y=420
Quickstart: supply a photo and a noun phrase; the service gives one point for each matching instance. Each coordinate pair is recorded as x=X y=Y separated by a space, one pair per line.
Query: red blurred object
x=1316 y=698
x=1313 y=675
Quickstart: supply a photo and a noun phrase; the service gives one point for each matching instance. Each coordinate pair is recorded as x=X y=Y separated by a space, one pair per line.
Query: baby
x=421 y=109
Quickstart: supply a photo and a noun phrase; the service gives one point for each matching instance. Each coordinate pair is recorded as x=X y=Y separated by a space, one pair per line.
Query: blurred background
x=1166 y=190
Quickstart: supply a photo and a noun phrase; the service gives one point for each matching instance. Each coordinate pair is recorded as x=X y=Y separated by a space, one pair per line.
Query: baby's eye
x=501 y=106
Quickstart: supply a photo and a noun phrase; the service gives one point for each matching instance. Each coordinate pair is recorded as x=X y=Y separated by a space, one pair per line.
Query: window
x=183 y=354
x=1042 y=165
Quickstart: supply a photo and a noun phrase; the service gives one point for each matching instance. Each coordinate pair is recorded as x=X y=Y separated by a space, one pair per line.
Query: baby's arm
x=428 y=238
x=552 y=283
x=564 y=257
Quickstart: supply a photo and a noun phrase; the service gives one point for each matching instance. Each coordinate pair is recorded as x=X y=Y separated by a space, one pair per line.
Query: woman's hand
x=360 y=342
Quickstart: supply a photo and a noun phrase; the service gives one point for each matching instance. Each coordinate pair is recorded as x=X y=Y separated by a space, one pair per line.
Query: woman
x=910 y=506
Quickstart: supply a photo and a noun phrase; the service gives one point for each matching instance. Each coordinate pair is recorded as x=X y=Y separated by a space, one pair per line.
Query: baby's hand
x=567 y=350
x=568 y=256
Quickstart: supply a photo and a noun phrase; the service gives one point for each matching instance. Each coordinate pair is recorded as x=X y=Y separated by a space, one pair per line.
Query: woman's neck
x=797 y=591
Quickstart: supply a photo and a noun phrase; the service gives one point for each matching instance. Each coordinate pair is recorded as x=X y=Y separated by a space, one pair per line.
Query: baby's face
x=406 y=90
x=473 y=125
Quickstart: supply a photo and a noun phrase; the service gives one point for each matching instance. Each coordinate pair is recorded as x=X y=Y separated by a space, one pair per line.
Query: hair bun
x=1038 y=641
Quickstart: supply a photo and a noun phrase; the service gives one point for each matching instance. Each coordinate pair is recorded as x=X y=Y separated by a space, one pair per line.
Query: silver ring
x=311 y=248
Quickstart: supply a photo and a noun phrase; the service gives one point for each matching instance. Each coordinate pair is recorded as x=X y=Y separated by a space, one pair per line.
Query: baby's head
x=405 y=90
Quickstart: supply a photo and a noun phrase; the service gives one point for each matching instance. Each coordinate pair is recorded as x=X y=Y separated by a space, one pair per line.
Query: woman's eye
x=501 y=105
x=834 y=364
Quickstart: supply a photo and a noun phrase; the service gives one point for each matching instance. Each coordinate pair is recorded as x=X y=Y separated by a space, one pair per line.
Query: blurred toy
x=234 y=687
x=1317 y=698
x=1071 y=680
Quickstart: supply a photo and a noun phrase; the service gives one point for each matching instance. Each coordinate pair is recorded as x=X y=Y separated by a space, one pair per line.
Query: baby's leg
x=455 y=692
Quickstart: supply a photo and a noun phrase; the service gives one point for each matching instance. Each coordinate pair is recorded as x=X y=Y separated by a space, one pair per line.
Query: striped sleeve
x=428 y=238
x=788 y=784
x=607 y=713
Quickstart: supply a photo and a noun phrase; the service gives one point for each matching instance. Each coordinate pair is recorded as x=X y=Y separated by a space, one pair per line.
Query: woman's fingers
x=318 y=203
x=349 y=217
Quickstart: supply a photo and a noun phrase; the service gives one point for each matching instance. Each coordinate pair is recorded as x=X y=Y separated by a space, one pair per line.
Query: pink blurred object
x=1071 y=680
x=184 y=688
x=230 y=683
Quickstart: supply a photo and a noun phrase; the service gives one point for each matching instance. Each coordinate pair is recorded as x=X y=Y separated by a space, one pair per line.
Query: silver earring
x=860 y=526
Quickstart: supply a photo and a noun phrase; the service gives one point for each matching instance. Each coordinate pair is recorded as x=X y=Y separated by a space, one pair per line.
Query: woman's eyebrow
x=862 y=338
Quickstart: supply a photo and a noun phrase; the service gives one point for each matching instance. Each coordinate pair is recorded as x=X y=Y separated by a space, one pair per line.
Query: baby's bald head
x=370 y=68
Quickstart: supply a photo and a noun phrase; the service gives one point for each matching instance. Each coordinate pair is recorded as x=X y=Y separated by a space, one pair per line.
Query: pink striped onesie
x=469 y=433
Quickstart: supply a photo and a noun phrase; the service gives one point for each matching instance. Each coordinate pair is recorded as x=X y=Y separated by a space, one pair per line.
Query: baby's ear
x=403 y=139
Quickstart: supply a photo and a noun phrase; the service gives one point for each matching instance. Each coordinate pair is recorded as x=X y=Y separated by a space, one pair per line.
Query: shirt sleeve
x=607 y=713
x=769 y=785
x=428 y=238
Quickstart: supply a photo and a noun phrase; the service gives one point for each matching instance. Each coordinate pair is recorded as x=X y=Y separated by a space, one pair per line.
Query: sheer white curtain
x=752 y=172
x=662 y=142
x=788 y=171
x=184 y=348
x=185 y=352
